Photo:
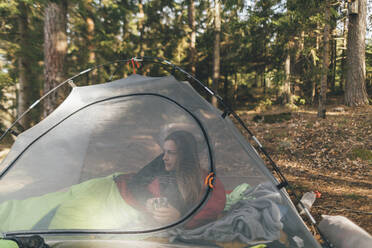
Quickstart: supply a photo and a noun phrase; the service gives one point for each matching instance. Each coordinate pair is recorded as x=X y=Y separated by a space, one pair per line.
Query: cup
x=160 y=202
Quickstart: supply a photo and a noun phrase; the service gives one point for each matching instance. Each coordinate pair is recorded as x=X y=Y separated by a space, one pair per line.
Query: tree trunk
x=343 y=54
x=226 y=88
x=90 y=30
x=334 y=64
x=314 y=85
x=192 y=25
x=355 y=91
x=263 y=80
x=236 y=89
x=286 y=88
x=325 y=69
x=23 y=100
x=332 y=76
x=125 y=37
x=55 y=49
x=91 y=54
x=255 y=81
x=317 y=36
x=141 y=28
x=313 y=91
x=216 y=52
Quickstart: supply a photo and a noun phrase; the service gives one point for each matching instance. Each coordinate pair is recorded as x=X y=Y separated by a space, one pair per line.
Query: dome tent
x=104 y=131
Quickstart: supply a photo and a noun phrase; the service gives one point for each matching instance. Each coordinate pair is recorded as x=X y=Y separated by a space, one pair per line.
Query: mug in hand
x=160 y=202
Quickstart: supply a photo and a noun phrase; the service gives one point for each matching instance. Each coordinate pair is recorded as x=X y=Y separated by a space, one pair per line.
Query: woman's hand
x=166 y=215
x=150 y=205
x=162 y=215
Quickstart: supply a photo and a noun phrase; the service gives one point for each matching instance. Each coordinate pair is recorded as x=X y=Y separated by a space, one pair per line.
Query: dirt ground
x=332 y=156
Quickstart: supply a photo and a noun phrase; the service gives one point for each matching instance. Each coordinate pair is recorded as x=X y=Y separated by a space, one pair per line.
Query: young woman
x=176 y=176
x=123 y=201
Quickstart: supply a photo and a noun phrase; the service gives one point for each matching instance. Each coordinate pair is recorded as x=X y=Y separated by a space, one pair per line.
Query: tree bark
x=314 y=85
x=226 y=88
x=90 y=30
x=313 y=91
x=216 y=51
x=192 y=25
x=263 y=80
x=235 y=89
x=332 y=66
x=355 y=91
x=94 y=76
x=325 y=65
x=23 y=100
x=343 y=54
x=141 y=28
x=286 y=88
x=55 y=49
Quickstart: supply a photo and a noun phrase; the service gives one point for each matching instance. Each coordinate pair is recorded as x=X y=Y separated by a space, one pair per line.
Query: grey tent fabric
x=249 y=220
x=119 y=127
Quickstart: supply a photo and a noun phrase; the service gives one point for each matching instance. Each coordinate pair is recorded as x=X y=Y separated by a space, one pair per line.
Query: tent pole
x=227 y=111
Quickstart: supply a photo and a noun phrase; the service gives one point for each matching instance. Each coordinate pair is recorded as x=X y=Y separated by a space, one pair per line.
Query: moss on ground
x=274 y=118
x=361 y=153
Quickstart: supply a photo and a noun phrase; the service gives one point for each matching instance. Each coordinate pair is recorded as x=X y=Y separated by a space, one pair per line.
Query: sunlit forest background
x=254 y=53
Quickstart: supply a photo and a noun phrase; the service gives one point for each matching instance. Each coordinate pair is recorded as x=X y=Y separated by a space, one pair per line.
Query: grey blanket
x=256 y=218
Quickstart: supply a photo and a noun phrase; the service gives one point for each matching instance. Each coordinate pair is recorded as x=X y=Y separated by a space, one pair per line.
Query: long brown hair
x=188 y=172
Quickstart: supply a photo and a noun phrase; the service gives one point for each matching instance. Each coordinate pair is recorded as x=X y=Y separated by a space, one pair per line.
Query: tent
x=59 y=179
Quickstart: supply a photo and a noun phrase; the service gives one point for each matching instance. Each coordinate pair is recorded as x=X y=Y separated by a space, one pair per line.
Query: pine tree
x=355 y=91
x=21 y=48
x=55 y=49
x=323 y=84
x=192 y=25
x=216 y=50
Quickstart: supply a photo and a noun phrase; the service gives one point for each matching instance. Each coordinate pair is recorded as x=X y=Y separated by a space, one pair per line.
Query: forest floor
x=332 y=156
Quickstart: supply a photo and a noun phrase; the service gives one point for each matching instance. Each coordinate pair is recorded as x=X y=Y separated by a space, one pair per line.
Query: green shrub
x=361 y=153
x=273 y=118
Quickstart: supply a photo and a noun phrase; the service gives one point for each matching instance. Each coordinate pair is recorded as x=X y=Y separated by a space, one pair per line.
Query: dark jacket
x=138 y=185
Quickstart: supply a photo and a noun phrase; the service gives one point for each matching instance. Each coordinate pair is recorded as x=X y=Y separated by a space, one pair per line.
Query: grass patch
x=309 y=125
x=353 y=196
x=342 y=123
x=281 y=134
x=275 y=134
x=361 y=153
x=300 y=188
x=274 y=118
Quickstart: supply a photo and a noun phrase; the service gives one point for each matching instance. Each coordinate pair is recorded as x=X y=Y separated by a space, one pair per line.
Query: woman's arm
x=138 y=184
x=162 y=215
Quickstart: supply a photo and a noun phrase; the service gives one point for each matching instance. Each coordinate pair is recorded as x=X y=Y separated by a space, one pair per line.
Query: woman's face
x=170 y=155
